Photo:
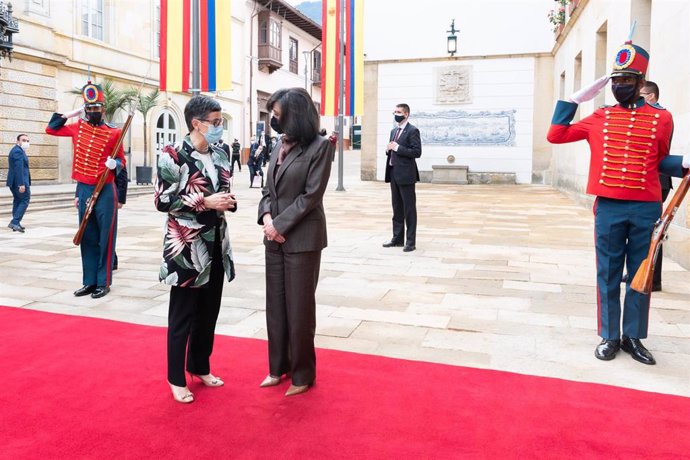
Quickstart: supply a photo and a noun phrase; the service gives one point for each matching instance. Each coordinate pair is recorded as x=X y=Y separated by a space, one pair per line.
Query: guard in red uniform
x=94 y=141
x=629 y=145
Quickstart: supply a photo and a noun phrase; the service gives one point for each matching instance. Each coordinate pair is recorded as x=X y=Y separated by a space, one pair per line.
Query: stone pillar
x=370 y=121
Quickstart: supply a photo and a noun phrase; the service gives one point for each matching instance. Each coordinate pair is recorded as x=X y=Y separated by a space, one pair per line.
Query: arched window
x=166 y=131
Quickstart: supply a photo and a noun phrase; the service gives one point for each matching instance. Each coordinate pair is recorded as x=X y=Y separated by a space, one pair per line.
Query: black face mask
x=275 y=125
x=399 y=118
x=624 y=93
x=94 y=118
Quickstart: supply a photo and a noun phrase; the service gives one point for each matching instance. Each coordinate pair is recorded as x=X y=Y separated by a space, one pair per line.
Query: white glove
x=686 y=160
x=588 y=92
x=110 y=163
x=74 y=113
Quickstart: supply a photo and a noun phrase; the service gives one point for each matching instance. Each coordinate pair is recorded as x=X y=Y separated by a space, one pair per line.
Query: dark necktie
x=395 y=139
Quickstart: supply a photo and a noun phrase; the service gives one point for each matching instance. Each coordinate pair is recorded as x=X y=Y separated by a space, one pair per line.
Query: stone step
x=41 y=201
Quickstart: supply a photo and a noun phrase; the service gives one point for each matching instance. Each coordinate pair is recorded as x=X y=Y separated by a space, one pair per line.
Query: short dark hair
x=298 y=116
x=20 y=136
x=199 y=107
x=652 y=88
x=405 y=108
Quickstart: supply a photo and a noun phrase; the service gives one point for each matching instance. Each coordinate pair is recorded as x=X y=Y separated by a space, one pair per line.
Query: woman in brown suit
x=294 y=225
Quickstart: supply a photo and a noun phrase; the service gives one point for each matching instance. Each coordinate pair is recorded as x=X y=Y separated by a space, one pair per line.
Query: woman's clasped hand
x=221 y=201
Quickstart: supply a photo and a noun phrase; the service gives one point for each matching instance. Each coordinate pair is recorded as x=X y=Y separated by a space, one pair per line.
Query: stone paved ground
x=503 y=278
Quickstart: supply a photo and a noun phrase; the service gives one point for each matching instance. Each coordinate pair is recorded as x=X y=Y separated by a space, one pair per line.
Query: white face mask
x=24 y=145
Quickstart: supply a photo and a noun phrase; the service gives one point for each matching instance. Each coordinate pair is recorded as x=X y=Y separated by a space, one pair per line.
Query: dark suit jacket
x=121 y=183
x=405 y=171
x=18 y=168
x=294 y=196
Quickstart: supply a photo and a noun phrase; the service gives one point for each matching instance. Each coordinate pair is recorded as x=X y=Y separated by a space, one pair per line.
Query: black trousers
x=192 y=316
x=291 y=281
x=236 y=158
x=404 y=200
x=660 y=257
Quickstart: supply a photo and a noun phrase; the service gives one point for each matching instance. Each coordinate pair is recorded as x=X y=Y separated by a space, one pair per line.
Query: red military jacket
x=626 y=146
x=92 y=146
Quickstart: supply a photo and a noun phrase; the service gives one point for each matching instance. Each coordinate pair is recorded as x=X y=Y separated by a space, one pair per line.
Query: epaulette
x=657 y=106
x=605 y=106
x=110 y=125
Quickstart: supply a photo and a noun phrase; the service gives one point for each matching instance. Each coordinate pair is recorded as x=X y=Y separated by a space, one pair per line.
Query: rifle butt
x=642 y=282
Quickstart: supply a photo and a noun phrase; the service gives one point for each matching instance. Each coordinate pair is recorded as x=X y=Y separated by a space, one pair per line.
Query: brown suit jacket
x=294 y=196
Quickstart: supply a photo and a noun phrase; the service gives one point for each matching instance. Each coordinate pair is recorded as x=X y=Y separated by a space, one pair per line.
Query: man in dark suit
x=19 y=181
x=235 y=155
x=401 y=171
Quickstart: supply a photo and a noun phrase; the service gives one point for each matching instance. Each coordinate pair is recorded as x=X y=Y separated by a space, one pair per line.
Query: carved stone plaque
x=454 y=85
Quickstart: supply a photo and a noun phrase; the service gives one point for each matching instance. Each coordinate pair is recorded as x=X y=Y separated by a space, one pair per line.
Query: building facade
x=62 y=43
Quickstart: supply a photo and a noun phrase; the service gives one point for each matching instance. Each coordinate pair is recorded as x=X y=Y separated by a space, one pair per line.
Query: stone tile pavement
x=503 y=278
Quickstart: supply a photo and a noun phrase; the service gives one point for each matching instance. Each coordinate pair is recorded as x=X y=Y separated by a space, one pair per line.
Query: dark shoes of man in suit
x=393 y=244
x=16 y=228
x=409 y=248
x=637 y=350
x=607 y=349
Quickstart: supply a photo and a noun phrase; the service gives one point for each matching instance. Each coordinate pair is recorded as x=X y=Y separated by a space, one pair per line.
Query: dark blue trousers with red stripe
x=99 y=235
x=622 y=232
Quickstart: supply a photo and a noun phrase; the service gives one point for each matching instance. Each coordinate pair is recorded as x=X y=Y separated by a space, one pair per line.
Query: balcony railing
x=316 y=77
x=269 y=57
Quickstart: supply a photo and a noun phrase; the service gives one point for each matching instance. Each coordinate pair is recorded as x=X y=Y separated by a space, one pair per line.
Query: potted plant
x=114 y=99
x=144 y=103
x=557 y=16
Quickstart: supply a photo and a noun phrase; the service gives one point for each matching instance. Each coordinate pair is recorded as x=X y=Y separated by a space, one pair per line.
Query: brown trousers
x=291 y=281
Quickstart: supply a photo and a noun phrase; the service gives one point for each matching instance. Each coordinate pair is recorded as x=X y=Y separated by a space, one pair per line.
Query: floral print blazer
x=190 y=230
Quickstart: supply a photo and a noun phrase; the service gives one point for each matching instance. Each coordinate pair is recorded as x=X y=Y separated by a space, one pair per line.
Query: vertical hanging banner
x=354 y=58
x=330 y=56
x=215 y=22
x=174 y=45
x=332 y=53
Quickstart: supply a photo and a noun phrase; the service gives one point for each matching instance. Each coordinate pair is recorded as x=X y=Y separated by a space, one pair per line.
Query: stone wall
x=27 y=100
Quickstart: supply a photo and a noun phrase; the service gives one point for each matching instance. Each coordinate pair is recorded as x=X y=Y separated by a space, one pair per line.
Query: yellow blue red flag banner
x=332 y=53
x=215 y=19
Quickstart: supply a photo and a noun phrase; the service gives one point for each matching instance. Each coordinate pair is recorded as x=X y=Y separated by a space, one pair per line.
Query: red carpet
x=75 y=387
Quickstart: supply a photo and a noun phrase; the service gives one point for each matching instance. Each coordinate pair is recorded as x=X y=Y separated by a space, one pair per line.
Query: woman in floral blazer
x=193 y=187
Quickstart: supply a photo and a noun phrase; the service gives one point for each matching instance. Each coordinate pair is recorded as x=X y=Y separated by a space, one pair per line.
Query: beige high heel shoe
x=209 y=380
x=270 y=381
x=181 y=394
x=297 y=389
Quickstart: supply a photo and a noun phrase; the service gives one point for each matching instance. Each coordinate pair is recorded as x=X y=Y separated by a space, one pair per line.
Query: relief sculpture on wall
x=458 y=127
x=454 y=85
